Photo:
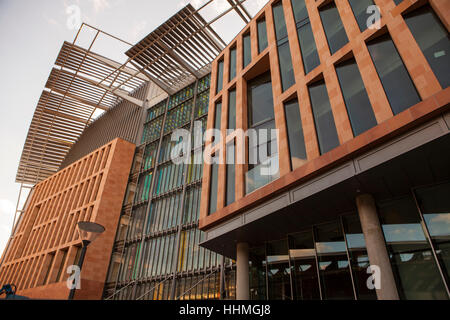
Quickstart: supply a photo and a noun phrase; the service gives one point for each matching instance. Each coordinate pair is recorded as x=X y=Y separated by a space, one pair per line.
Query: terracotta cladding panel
x=435 y=99
x=90 y=189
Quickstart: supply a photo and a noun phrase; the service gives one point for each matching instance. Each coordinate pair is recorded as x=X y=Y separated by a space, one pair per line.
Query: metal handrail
x=206 y=277
x=159 y=283
x=132 y=282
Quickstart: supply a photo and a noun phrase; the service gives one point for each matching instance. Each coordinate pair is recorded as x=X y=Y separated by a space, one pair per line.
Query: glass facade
x=296 y=139
x=219 y=76
x=232 y=71
x=397 y=84
x=433 y=39
x=305 y=36
x=359 y=8
x=284 y=53
x=327 y=261
x=261 y=119
x=359 y=109
x=158 y=244
x=247 y=48
x=323 y=117
x=334 y=29
x=262 y=35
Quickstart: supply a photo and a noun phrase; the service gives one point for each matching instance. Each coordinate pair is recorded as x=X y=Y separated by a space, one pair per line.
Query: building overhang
x=415 y=158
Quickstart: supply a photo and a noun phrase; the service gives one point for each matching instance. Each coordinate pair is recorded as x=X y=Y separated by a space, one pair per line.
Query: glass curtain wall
x=328 y=261
x=162 y=237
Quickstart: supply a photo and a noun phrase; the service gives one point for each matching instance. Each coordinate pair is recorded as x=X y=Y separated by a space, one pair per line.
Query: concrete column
x=242 y=282
x=376 y=247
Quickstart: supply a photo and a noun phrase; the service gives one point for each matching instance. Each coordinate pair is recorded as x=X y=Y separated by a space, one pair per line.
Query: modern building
x=363 y=151
x=357 y=175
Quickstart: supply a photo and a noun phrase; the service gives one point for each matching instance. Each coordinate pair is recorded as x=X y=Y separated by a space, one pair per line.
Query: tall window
x=356 y=100
x=435 y=209
x=397 y=84
x=334 y=29
x=219 y=76
x=231 y=179
x=247 y=49
x=284 y=53
x=323 y=117
x=232 y=70
x=295 y=134
x=433 y=39
x=232 y=110
x=261 y=118
x=305 y=36
x=359 y=8
x=213 y=188
x=218 y=118
x=262 y=35
x=415 y=270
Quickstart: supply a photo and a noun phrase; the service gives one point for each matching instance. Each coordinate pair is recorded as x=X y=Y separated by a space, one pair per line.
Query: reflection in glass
x=232 y=109
x=414 y=267
x=296 y=138
x=247 y=47
x=323 y=117
x=278 y=271
x=356 y=100
x=257 y=273
x=358 y=257
x=359 y=8
x=232 y=71
x=303 y=260
x=394 y=77
x=308 y=48
x=219 y=76
x=433 y=40
x=214 y=188
x=435 y=205
x=334 y=29
x=333 y=263
x=262 y=35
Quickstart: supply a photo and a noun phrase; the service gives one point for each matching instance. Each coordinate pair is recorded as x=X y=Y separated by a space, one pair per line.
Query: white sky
x=32 y=33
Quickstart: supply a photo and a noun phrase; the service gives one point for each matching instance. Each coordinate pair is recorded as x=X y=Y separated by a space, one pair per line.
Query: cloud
x=100 y=5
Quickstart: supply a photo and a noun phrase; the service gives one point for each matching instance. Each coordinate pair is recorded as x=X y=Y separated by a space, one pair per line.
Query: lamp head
x=89 y=231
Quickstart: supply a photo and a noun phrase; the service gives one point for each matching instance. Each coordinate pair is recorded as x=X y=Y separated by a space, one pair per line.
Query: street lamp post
x=88 y=231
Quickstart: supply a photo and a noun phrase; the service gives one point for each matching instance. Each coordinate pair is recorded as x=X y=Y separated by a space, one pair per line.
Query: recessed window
x=262 y=35
x=356 y=100
x=232 y=70
x=279 y=22
x=300 y=11
x=284 y=53
x=213 y=188
x=296 y=139
x=308 y=48
x=232 y=110
x=334 y=29
x=247 y=47
x=231 y=179
x=218 y=119
x=433 y=39
x=219 y=76
x=359 y=8
x=396 y=81
x=286 y=69
x=261 y=119
x=305 y=36
x=260 y=100
x=323 y=117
